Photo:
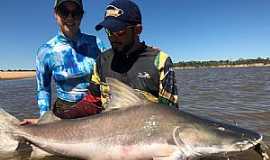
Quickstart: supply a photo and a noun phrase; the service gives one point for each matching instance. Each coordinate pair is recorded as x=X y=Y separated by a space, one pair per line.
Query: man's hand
x=28 y=121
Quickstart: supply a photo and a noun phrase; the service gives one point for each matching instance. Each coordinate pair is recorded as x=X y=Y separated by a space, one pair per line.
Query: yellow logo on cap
x=113 y=11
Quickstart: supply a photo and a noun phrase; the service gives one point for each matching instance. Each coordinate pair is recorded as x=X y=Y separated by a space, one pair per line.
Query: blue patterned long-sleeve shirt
x=69 y=63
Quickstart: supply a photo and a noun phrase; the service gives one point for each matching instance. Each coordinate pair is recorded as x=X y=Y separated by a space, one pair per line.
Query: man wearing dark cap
x=130 y=60
x=68 y=59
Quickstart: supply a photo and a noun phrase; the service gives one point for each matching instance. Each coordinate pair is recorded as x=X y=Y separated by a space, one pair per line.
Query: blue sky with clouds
x=185 y=29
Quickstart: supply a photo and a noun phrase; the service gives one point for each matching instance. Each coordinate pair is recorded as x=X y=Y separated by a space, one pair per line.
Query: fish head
x=204 y=137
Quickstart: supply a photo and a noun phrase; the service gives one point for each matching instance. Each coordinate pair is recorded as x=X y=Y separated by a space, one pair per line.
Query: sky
x=188 y=30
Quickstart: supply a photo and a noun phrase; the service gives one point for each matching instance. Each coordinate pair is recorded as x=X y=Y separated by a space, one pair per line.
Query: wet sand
x=16 y=75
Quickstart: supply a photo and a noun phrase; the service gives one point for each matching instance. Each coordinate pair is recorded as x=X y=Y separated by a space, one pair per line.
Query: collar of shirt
x=64 y=38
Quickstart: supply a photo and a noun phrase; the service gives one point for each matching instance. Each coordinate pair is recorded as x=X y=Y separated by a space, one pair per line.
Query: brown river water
x=231 y=95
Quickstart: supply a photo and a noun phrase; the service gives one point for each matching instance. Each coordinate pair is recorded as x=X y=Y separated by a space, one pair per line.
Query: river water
x=231 y=95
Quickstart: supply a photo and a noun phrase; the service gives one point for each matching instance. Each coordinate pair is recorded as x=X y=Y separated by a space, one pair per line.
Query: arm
x=167 y=83
x=43 y=78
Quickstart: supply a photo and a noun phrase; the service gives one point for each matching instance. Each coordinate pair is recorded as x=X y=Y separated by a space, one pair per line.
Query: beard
x=123 y=50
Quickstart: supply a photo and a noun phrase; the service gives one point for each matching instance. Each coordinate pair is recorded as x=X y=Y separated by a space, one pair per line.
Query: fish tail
x=7 y=121
x=8 y=125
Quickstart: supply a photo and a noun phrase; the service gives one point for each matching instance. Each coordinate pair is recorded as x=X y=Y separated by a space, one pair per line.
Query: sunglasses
x=64 y=12
x=119 y=33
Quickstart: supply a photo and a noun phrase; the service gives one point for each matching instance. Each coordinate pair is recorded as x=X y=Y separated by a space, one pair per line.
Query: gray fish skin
x=140 y=132
x=143 y=131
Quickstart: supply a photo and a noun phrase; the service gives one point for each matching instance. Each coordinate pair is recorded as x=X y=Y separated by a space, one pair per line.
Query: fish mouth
x=247 y=144
x=229 y=148
x=257 y=145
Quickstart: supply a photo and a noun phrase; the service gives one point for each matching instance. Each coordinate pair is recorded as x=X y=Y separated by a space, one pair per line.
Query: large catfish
x=133 y=129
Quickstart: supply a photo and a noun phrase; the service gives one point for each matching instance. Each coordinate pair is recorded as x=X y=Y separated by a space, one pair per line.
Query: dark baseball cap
x=59 y=2
x=120 y=14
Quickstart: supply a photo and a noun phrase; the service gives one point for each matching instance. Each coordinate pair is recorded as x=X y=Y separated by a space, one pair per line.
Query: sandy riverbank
x=16 y=75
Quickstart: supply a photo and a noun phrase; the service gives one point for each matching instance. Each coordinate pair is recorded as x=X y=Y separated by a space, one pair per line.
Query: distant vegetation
x=200 y=64
x=224 y=63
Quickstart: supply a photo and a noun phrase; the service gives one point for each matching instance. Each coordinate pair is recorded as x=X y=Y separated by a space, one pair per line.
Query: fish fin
x=48 y=117
x=7 y=123
x=161 y=158
x=170 y=153
x=38 y=153
x=7 y=118
x=171 y=157
x=122 y=95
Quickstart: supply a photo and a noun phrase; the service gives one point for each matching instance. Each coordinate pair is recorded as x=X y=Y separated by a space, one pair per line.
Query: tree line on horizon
x=213 y=63
x=196 y=64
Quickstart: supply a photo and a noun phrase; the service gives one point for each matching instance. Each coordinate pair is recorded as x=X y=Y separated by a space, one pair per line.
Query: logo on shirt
x=144 y=75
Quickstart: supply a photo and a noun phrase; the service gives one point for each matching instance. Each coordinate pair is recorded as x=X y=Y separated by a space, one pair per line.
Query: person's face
x=123 y=40
x=68 y=16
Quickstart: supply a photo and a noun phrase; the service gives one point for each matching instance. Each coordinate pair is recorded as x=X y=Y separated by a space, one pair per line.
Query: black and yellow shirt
x=146 y=69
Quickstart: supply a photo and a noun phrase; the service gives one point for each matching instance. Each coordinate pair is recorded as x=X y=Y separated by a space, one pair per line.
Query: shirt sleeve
x=43 y=78
x=100 y=45
x=168 y=93
x=103 y=87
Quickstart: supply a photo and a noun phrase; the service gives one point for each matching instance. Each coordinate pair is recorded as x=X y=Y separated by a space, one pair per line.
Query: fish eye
x=221 y=128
